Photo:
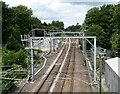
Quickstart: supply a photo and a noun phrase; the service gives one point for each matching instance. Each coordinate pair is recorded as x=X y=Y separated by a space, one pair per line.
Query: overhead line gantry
x=51 y=36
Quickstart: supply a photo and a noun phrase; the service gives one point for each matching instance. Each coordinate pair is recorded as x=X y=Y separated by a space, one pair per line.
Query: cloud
x=18 y=2
x=90 y=2
x=86 y=1
x=48 y=10
x=68 y=13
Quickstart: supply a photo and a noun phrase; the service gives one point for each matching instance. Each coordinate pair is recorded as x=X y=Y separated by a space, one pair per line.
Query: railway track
x=50 y=80
x=65 y=83
x=61 y=77
x=65 y=74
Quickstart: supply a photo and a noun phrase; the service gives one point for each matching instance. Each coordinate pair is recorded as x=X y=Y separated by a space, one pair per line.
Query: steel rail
x=44 y=77
x=60 y=70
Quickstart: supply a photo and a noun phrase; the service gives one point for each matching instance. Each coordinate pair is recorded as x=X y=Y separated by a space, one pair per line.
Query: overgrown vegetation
x=104 y=23
x=12 y=58
x=18 y=21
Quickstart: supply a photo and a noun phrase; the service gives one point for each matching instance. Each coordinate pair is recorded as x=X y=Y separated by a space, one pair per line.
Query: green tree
x=92 y=17
x=118 y=46
x=22 y=17
x=115 y=41
x=57 y=25
x=116 y=17
x=74 y=28
x=6 y=22
x=16 y=21
x=35 y=22
x=102 y=16
x=97 y=31
x=13 y=44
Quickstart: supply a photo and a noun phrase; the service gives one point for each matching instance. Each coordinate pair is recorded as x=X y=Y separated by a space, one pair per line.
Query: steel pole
x=50 y=43
x=100 y=74
x=94 y=60
x=83 y=42
x=53 y=45
x=32 y=63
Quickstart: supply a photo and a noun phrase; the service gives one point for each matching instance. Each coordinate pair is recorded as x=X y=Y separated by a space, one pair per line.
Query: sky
x=70 y=12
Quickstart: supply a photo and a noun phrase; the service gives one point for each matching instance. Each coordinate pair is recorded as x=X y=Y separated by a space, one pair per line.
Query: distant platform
x=45 y=49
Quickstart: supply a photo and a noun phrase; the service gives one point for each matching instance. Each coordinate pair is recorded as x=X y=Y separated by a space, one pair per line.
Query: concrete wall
x=112 y=79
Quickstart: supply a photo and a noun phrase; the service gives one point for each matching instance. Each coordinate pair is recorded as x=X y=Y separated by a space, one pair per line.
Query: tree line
x=16 y=21
x=104 y=23
x=19 y=20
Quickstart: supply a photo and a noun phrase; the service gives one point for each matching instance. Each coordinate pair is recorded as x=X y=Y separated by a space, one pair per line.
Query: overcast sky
x=68 y=11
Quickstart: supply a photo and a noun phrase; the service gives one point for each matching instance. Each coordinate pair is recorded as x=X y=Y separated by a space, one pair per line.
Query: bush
x=10 y=58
